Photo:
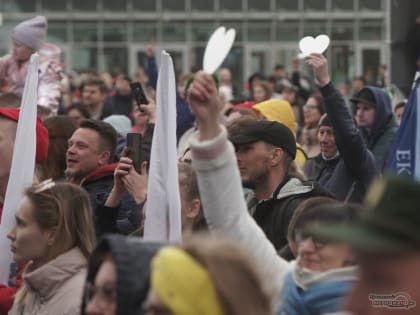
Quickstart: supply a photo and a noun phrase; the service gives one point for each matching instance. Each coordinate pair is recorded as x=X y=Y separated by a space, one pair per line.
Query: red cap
x=41 y=132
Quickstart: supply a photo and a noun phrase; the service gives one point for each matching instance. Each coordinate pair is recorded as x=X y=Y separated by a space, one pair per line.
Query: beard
x=73 y=176
x=258 y=177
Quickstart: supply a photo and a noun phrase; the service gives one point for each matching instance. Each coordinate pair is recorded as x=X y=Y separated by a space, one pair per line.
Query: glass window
x=342 y=30
x=54 y=5
x=371 y=61
x=259 y=61
x=144 y=5
x=234 y=62
x=115 y=59
x=115 y=32
x=237 y=25
x=18 y=6
x=374 y=5
x=178 y=61
x=173 y=5
x=259 y=31
x=202 y=5
x=201 y=31
x=115 y=5
x=288 y=5
x=345 y=5
x=85 y=32
x=285 y=56
x=259 y=5
x=84 y=58
x=315 y=5
x=174 y=32
x=288 y=30
x=315 y=27
x=342 y=63
x=144 y=31
x=371 y=30
x=57 y=32
x=83 y=5
x=231 y=5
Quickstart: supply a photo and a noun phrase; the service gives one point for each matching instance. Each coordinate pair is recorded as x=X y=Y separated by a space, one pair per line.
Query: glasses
x=309 y=107
x=301 y=235
x=105 y=295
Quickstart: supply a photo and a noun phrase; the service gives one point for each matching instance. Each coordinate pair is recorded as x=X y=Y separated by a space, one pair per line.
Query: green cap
x=390 y=220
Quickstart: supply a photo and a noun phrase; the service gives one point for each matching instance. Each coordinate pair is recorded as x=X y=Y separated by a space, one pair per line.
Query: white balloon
x=217 y=48
x=309 y=45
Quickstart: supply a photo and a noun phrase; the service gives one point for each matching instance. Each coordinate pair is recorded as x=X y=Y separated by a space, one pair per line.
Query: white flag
x=163 y=213
x=23 y=164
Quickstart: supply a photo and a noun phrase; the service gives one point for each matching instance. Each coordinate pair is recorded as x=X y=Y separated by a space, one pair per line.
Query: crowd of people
x=286 y=204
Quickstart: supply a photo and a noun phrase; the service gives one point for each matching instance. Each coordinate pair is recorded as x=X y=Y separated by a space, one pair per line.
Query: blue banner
x=404 y=153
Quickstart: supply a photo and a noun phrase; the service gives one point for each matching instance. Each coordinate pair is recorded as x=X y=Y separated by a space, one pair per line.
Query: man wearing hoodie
x=373 y=112
x=90 y=163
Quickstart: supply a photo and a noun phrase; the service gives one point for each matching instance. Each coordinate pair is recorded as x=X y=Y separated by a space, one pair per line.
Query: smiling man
x=345 y=166
x=90 y=164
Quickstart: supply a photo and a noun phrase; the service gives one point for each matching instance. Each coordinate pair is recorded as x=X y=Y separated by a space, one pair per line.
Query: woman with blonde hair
x=206 y=276
x=54 y=234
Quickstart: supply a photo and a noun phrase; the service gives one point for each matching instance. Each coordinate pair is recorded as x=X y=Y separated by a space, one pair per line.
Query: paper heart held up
x=217 y=48
x=309 y=45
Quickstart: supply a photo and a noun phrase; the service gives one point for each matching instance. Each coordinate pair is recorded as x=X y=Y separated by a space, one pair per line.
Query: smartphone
x=138 y=94
x=134 y=143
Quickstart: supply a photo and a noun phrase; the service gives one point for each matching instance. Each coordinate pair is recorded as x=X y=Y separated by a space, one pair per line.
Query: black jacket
x=348 y=176
x=273 y=215
x=125 y=218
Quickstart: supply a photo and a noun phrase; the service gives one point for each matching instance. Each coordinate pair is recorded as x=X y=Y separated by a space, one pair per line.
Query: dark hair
x=335 y=212
x=279 y=67
x=399 y=105
x=107 y=134
x=95 y=81
x=10 y=100
x=80 y=107
x=359 y=78
x=60 y=128
x=320 y=105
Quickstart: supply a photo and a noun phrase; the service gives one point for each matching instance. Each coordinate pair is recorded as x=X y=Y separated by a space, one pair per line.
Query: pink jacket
x=50 y=74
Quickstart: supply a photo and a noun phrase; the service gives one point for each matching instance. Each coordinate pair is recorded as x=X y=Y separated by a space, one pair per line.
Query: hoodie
x=132 y=258
x=380 y=136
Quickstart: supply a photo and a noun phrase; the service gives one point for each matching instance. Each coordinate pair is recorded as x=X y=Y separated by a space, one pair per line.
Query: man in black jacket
x=265 y=151
x=345 y=166
x=90 y=156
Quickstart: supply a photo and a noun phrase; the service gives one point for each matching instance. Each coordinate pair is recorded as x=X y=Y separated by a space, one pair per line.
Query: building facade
x=110 y=35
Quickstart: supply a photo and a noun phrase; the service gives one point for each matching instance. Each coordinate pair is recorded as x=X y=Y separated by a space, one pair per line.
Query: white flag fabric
x=163 y=210
x=23 y=164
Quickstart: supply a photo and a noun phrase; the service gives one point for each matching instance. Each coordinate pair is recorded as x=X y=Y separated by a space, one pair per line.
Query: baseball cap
x=41 y=132
x=271 y=132
x=390 y=220
x=365 y=95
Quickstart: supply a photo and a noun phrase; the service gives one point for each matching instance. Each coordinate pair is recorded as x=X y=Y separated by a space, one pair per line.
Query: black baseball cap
x=271 y=132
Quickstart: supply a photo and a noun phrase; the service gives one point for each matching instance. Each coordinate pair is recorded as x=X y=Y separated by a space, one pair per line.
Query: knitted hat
x=324 y=121
x=31 y=33
x=41 y=132
x=121 y=123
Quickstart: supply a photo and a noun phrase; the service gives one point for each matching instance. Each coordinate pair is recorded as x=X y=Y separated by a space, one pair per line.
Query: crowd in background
x=286 y=206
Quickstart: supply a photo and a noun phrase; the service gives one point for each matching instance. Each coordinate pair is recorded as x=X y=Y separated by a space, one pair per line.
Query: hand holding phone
x=134 y=143
x=138 y=94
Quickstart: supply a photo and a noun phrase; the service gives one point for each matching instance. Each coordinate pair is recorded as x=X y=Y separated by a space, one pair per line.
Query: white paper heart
x=309 y=45
x=217 y=48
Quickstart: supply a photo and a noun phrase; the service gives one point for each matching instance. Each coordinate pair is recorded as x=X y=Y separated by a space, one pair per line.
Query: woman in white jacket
x=225 y=210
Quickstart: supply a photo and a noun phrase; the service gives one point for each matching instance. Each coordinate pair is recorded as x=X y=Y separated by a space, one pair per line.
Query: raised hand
x=205 y=104
x=319 y=65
